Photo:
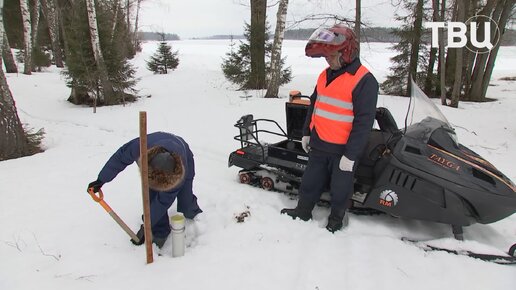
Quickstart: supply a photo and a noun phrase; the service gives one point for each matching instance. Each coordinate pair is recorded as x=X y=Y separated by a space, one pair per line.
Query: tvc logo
x=458 y=33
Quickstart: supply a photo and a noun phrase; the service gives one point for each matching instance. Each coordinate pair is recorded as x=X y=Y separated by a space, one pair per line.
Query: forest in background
x=368 y=34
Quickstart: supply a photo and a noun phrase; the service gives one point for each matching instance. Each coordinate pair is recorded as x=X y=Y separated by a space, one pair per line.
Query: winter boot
x=337 y=220
x=159 y=241
x=303 y=210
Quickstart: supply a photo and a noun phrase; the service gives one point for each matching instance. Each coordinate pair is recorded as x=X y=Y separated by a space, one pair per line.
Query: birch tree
x=50 y=12
x=116 y=8
x=107 y=88
x=27 y=37
x=275 y=69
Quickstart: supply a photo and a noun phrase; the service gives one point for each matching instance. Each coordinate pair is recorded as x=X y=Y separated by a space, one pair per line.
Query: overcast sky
x=199 y=18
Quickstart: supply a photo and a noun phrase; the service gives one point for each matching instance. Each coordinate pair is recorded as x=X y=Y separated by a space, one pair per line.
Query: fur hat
x=166 y=169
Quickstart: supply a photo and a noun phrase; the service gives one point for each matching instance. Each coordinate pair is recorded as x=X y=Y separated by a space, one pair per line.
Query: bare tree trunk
x=128 y=15
x=137 y=17
x=274 y=82
x=257 y=44
x=51 y=15
x=7 y=55
x=13 y=142
x=508 y=7
x=442 y=66
x=34 y=16
x=429 y=81
x=115 y=18
x=414 y=54
x=60 y=10
x=358 y=21
x=450 y=53
x=107 y=88
x=457 y=85
x=34 y=21
x=475 y=91
x=27 y=36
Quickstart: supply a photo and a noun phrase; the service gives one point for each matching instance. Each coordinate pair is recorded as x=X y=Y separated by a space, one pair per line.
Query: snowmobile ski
x=498 y=259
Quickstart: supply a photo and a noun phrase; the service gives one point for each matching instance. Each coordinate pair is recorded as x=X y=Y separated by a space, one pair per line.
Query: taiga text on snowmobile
x=419 y=172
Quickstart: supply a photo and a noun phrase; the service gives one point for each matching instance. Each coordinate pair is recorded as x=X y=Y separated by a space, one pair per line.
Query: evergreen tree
x=412 y=52
x=83 y=75
x=163 y=60
x=40 y=58
x=237 y=64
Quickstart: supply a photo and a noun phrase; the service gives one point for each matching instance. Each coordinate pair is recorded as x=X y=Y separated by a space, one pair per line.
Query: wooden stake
x=145 y=187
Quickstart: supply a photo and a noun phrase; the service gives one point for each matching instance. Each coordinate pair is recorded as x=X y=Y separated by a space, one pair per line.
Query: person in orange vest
x=338 y=124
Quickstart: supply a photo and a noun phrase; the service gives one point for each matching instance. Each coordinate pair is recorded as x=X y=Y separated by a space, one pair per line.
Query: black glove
x=96 y=185
x=141 y=235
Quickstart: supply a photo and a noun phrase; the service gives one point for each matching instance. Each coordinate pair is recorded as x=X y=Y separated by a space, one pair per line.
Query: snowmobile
x=418 y=172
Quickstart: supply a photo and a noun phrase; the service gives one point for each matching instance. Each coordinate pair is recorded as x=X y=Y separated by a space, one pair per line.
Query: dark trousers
x=323 y=172
x=161 y=201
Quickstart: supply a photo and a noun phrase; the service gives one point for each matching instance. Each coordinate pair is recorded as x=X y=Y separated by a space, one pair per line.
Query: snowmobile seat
x=246 y=126
x=386 y=121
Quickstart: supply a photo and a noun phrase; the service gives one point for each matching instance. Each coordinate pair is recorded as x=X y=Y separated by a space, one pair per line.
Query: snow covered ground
x=54 y=236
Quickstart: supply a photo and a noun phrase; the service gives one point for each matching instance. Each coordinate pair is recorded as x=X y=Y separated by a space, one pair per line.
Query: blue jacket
x=130 y=152
x=160 y=201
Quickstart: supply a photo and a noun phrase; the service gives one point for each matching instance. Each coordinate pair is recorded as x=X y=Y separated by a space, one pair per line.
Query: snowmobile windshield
x=427 y=123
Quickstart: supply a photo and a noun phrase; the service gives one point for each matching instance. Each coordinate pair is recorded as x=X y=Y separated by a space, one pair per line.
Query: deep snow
x=54 y=236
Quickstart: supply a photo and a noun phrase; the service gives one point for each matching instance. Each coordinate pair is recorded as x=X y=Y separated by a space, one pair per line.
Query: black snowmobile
x=419 y=172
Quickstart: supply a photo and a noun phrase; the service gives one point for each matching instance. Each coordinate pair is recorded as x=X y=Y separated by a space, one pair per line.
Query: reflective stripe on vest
x=333 y=109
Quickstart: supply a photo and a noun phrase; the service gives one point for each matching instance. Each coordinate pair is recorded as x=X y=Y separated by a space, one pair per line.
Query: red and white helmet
x=339 y=38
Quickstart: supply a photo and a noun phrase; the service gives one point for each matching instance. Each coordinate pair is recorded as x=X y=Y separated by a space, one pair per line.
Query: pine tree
x=237 y=64
x=163 y=60
x=412 y=52
x=82 y=72
x=40 y=58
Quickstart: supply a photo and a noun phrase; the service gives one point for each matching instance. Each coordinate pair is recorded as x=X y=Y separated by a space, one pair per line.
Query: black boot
x=303 y=210
x=156 y=240
x=337 y=220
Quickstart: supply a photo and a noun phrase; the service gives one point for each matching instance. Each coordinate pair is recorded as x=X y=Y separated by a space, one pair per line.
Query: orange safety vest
x=333 y=109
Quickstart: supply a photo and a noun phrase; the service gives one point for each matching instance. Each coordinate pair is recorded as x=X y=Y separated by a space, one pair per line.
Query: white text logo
x=480 y=30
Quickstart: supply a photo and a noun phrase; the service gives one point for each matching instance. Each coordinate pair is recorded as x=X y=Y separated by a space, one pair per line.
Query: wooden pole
x=145 y=187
